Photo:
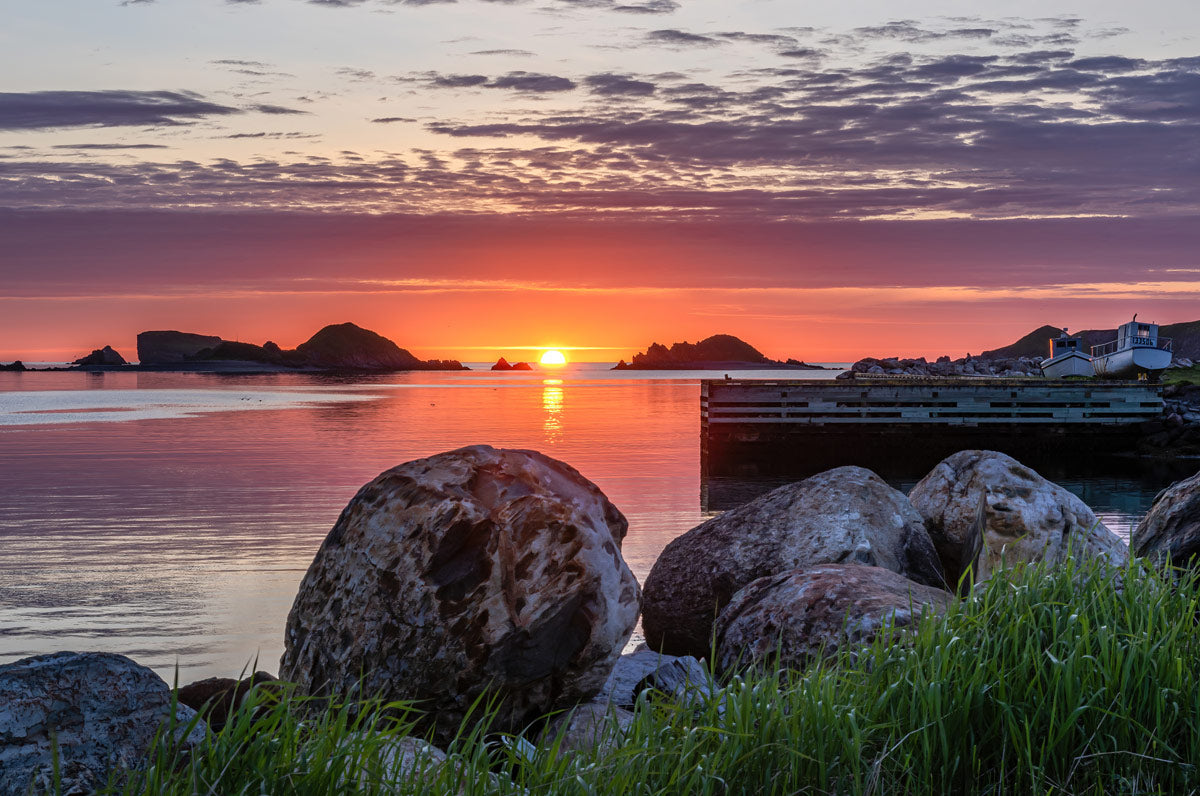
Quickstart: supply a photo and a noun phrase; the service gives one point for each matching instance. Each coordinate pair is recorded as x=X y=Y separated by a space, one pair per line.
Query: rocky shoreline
x=485 y=572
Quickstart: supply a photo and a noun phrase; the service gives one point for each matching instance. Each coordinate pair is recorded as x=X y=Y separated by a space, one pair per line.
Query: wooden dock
x=812 y=425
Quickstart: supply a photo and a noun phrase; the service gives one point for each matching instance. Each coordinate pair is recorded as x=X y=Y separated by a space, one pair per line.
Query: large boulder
x=1170 y=531
x=983 y=506
x=787 y=620
x=478 y=570
x=843 y=515
x=351 y=347
x=101 y=711
x=171 y=347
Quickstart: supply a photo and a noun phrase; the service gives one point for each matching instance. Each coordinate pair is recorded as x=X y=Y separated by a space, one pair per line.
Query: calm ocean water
x=170 y=517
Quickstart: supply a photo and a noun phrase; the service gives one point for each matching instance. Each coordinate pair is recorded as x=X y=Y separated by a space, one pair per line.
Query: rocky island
x=719 y=352
x=337 y=347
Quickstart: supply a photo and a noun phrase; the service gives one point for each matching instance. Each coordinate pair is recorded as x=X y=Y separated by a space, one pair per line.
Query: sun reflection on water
x=552 y=405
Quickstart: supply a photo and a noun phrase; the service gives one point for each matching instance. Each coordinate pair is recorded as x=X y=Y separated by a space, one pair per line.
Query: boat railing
x=1165 y=343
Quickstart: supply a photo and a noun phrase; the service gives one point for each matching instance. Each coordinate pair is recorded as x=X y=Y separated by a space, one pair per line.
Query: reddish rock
x=216 y=697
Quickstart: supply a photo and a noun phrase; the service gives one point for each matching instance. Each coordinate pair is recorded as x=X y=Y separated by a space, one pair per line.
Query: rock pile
x=843 y=515
x=833 y=560
x=944 y=367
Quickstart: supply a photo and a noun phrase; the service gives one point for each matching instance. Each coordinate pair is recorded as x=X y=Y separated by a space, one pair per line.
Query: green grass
x=1070 y=681
x=1182 y=375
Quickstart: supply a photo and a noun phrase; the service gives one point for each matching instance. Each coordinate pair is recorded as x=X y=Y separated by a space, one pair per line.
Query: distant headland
x=719 y=352
x=342 y=347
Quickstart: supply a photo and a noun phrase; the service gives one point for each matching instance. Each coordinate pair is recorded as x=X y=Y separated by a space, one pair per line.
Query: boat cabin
x=1063 y=344
x=1135 y=333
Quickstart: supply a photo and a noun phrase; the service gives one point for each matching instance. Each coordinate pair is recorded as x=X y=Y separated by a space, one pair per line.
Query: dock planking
x=888 y=423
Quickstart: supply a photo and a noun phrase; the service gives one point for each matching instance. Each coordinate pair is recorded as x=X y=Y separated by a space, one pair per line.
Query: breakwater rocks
x=497 y=574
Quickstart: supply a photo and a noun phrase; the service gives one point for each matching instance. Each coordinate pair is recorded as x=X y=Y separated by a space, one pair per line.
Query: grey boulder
x=847 y=514
x=985 y=508
x=101 y=710
x=1170 y=531
x=470 y=572
x=788 y=620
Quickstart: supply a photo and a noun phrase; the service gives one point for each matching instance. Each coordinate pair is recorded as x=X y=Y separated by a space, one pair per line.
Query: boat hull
x=1072 y=363
x=1132 y=361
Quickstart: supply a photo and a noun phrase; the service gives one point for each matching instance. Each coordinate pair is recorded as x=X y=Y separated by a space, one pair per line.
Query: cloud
x=532 y=82
x=47 y=109
x=680 y=38
x=516 y=53
x=277 y=110
x=458 y=81
x=609 y=85
x=110 y=146
x=392 y=119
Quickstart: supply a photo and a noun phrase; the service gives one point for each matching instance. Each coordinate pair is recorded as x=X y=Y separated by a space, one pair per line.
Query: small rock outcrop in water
x=17 y=366
x=502 y=364
x=103 y=357
x=718 y=351
x=1170 y=531
x=845 y=514
x=101 y=710
x=470 y=572
x=786 y=620
x=170 y=347
x=982 y=506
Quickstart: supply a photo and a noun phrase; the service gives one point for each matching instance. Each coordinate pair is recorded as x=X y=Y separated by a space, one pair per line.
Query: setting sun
x=553 y=358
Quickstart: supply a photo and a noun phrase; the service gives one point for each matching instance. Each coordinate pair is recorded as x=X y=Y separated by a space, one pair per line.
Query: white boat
x=1137 y=351
x=1066 y=358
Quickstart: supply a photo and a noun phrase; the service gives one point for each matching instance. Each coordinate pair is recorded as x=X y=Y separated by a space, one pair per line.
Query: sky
x=490 y=177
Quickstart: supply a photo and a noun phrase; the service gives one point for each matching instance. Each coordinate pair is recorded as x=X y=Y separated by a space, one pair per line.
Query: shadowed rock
x=345 y=345
x=983 y=506
x=478 y=570
x=1170 y=531
x=843 y=515
x=101 y=710
x=217 y=697
x=787 y=620
x=171 y=347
